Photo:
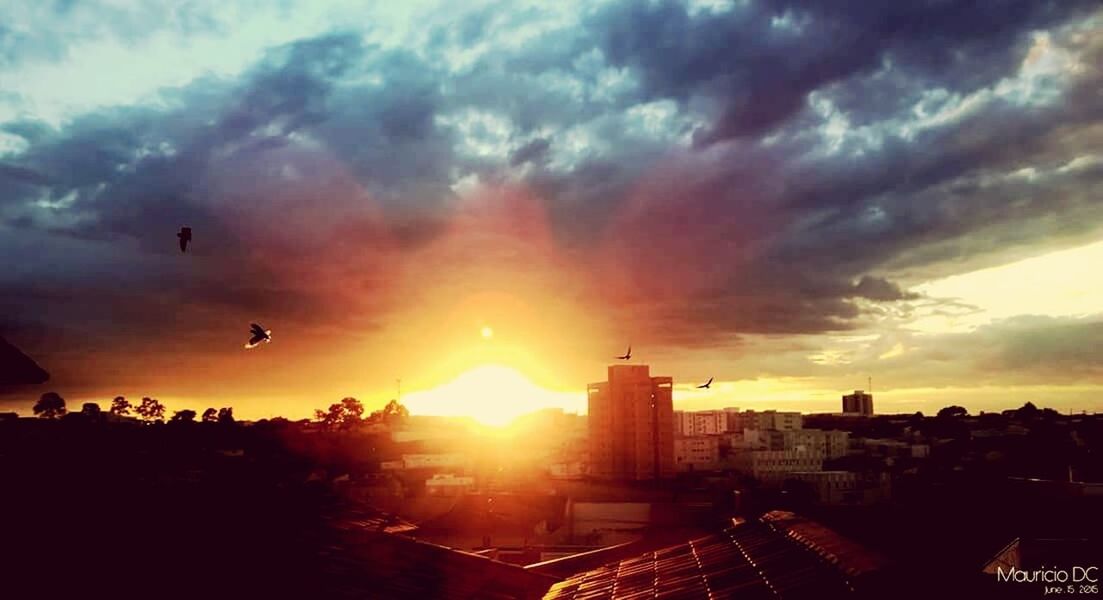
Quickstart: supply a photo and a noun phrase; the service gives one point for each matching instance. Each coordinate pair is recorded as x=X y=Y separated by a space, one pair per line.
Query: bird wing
x=257 y=330
x=256 y=340
x=709 y=382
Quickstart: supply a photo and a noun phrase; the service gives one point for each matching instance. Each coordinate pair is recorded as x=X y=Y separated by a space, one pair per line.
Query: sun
x=491 y=394
x=487 y=333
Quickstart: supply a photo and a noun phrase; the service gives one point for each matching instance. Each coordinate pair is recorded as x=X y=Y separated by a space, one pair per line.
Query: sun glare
x=487 y=333
x=491 y=394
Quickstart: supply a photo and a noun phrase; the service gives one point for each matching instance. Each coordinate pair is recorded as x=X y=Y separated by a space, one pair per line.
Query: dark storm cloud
x=759 y=61
x=236 y=162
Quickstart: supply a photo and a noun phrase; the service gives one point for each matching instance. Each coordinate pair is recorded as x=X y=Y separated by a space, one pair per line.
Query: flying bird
x=185 y=237
x=626 y=355
x=705 y=385
x=260 y=334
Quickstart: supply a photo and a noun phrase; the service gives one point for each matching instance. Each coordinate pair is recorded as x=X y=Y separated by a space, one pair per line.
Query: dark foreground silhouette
x=17 y=368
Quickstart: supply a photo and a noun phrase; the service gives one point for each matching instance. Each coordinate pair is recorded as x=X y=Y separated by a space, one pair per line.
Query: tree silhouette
x=345 y=414
x=391 y=414
x=150 y=410
x=49 y=406
x=1027 y=411
x=953 y=411
x=226 y=415
x=91 y=410
x=183 y=416
x=210 y=415
x=120 y=406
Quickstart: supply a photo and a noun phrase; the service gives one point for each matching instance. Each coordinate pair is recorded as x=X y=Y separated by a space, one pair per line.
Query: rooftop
x=779 y=556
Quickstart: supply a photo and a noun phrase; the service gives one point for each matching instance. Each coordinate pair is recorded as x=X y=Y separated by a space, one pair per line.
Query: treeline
x=348 y=414
x=52 y=406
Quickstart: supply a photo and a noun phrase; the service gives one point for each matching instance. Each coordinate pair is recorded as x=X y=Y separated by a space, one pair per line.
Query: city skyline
x=493 y=201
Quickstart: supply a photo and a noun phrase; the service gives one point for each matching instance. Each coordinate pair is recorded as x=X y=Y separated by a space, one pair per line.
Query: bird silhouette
x=260 y=334
x=626 y=355
x=185 y=237
x=705 y=385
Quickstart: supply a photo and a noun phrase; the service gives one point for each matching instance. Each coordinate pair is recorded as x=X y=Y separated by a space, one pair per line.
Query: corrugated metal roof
x=779 y=556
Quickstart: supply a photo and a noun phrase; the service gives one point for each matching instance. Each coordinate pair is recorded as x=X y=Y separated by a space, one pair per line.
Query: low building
x=840 y=488
x=767 y=419
x=700 y=422
x=447 y=484
x=700 y=453
x=774 y=465
x=830 y=443
x=567 y=470
x=453 y=460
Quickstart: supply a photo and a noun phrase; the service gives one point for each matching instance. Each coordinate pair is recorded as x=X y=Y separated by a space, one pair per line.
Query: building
x=446 y=484
x=839 y=488
x=775 y=465
x=700 y=422
x=631 y=424
x=779 y=556
x=858 y=403
x=700 y=453
x=829 y=443
x=768 y=419
x=451 y=460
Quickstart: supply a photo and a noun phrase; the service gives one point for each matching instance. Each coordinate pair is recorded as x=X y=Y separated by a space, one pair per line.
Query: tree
x=345 y=414
x=90 y=410
x=210 y=415
x=1027 y=411
x=150 y=410
x=183 y=416
x=226 y=415
x=953 y=411
x=391 y=414
x=120 y=406
x=49 y=406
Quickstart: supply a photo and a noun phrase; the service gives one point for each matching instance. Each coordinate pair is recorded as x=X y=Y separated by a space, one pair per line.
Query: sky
x=490 y=200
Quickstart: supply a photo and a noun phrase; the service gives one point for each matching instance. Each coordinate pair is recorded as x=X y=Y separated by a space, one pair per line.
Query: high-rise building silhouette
x=631 y=421
x=858 y=403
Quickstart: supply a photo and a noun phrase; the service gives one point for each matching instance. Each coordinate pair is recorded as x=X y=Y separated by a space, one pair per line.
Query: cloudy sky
x=787 y=196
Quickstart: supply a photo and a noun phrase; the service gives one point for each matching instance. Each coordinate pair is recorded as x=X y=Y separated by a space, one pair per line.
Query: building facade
x=840 y=488
x=858 y=403
x=774 y=465
x=700 y=453
x=700 y=422
x=829 y=443
x=631 y=425
x=767 y=419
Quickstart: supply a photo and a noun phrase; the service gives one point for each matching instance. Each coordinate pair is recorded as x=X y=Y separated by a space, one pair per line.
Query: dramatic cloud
x=693 y=178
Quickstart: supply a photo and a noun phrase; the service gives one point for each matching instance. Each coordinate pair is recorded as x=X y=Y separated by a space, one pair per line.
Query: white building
x=767 y=419
x=452 y=460
x=446 y=484
x=829 y=443
x=701 y=453
x=700 y=422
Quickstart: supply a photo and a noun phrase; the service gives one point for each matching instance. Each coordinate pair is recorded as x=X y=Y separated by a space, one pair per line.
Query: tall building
x=631 y=418
x=858 y=403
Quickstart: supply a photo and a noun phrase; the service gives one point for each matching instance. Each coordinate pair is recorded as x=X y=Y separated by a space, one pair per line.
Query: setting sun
x=491 y=394
x=487 y=333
